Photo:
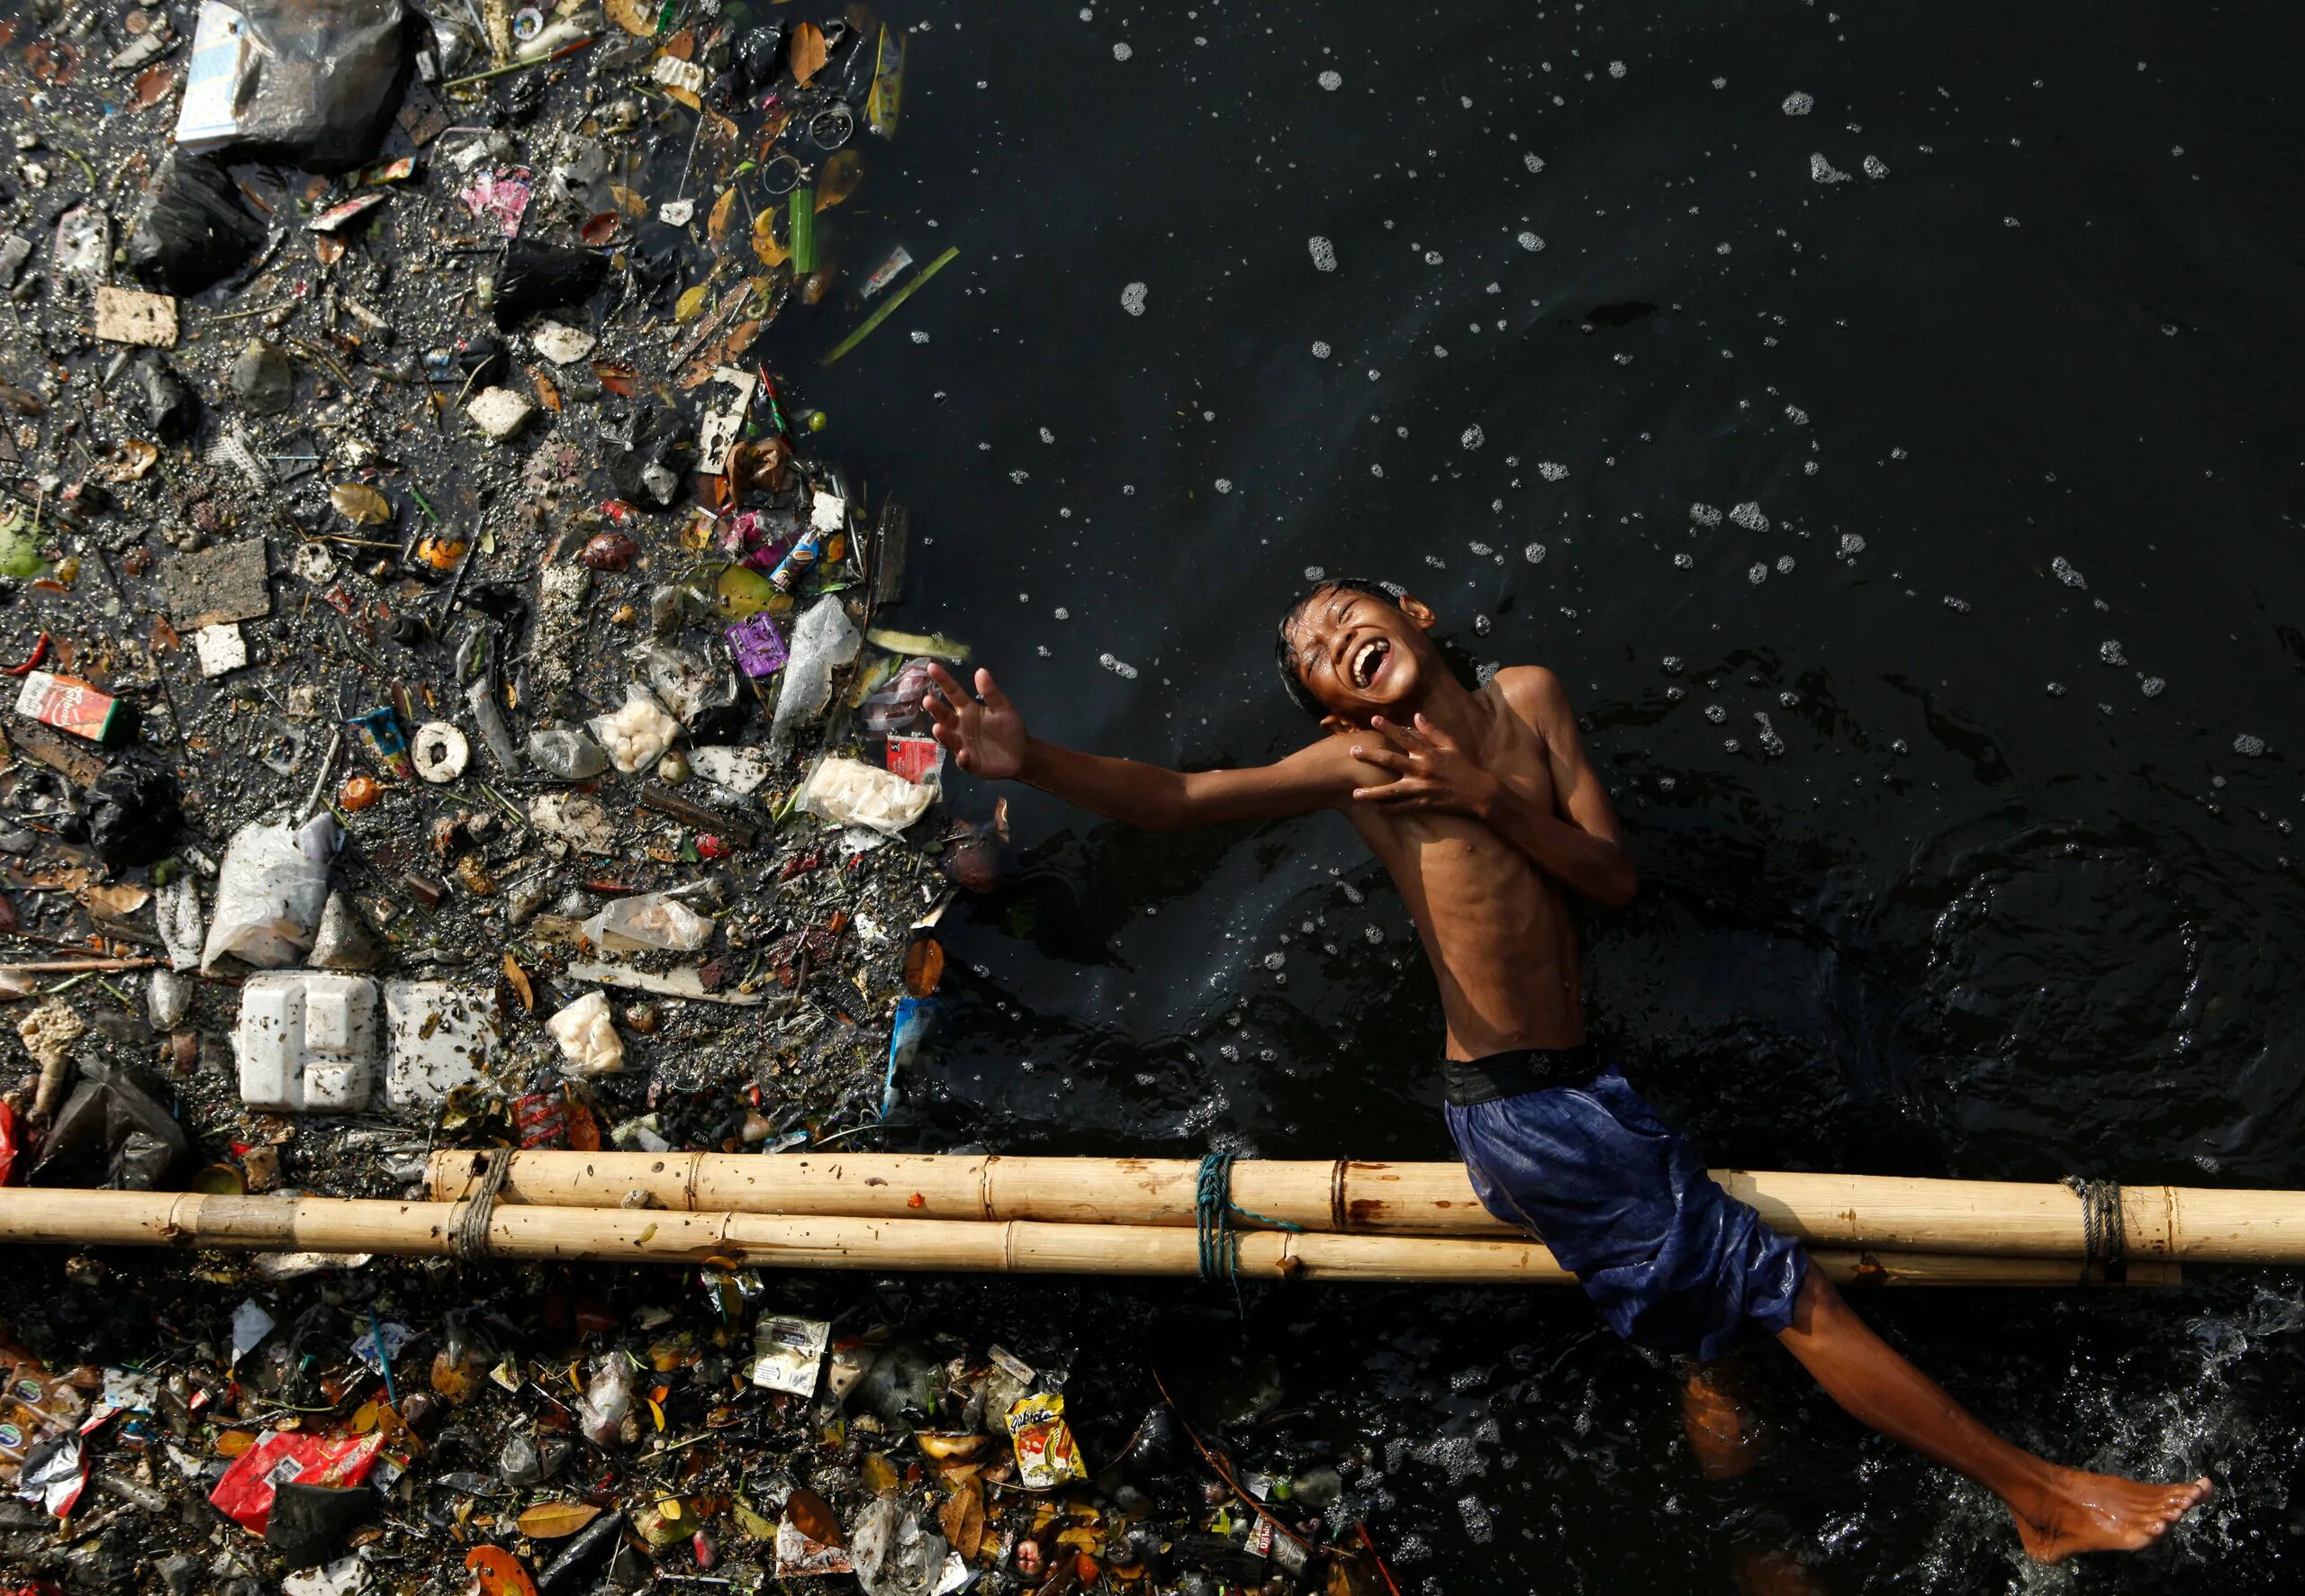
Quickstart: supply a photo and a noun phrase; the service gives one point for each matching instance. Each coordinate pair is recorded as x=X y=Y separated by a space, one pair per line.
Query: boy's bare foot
x=2072 y=1512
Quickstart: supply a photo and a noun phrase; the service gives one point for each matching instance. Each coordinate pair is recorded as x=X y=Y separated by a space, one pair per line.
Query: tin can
x=379 y=733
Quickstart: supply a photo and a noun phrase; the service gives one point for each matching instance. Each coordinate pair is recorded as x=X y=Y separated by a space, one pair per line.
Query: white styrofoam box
x=307 y=1042
x=439 y=1036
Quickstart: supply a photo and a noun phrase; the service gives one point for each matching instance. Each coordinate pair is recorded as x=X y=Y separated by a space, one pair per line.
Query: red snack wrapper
x=245 y=1493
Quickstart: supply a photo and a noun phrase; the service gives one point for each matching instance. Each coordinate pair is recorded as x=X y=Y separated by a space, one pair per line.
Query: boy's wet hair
x=1284 y=652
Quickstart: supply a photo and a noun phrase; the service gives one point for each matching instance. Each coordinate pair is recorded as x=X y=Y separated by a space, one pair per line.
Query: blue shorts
x=1672 y=1261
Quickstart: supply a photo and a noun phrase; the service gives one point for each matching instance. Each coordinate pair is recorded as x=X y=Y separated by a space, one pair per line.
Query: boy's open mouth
x=1368 y=660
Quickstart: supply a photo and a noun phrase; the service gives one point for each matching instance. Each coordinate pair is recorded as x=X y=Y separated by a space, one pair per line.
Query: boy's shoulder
x=1533 y=691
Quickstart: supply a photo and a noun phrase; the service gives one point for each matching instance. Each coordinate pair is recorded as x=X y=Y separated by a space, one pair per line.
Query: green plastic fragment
x=20 y=554
x=804 y=231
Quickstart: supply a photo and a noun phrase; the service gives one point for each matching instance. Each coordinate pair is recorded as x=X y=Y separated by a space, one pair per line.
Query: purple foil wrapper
x=759 y=651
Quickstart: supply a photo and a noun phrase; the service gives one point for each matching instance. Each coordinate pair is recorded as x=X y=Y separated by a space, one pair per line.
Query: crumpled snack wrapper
x=850 y=792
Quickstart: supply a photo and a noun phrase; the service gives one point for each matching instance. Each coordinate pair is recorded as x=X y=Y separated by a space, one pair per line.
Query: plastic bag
x=891 y=1554
x=652 y=921
x=113 y=1127
x=850 y=792
x=134 y=814
x=608 y=1398
x=824 y=638
x=648 y=464
x=271 y=891
x=191 y=229
x=171 y=409
x=683 y=683
x=636 y=733
x=317 y=80
x=543 y=277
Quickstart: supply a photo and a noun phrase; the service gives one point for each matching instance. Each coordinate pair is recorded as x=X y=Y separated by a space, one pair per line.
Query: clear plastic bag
x=271 y=891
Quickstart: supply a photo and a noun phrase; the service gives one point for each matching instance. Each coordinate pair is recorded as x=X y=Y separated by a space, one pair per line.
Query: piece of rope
x=468 y=1234
x=2104 y=1230
x=1212 y=1212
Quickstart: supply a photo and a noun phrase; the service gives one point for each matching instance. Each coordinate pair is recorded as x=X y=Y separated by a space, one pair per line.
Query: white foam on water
x=1472 y=438
x=1823 y=171
x=1705 y=515
x=1531 y=242
x=1121 y=52
x=1874 y=166
x=1798 y=104
x=1321 y=350
x=1132 y=299
x=2063 y=570
x=1749 y=516
x=1324 y=253
x=1331 y=80
x=2248 y=746
x=1532 y=161
x=1534 y=553
x=1553 y=470
x=1120 y=668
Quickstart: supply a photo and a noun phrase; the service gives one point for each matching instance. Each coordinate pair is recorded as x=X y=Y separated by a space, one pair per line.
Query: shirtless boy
x=1485 y=810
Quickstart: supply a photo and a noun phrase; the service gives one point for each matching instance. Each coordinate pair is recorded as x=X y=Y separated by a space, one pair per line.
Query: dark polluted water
x=1886 y=423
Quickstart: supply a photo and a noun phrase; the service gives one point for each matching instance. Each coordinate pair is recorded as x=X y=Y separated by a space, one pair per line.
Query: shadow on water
x=1904 y=489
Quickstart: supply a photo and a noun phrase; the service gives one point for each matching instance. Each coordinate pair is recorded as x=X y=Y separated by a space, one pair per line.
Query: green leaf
x=896 y=299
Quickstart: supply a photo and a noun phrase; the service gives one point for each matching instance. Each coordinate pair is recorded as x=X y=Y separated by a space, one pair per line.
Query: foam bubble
x=1121 y=52
x=1823 y=171
x=1534 y=553
x=1531 y=242
x=1553 y=470
x=1798 y=104
x=1321 y=350
x=1324 y=253
x=1535 y=162
x=1472 y=438
x=1120 y=668
x=2248 y=746
x=1331 y=81
x=1132 y=299
x=1874 y=166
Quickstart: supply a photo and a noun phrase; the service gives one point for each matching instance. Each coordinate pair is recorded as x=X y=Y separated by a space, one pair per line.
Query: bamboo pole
x=193 y=1220
x=2007 y=1219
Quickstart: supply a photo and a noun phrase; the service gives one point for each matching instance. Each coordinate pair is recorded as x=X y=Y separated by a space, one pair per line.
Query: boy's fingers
x=941 y=712
x=1383 y=759
x=947 y=683
x=989 y=690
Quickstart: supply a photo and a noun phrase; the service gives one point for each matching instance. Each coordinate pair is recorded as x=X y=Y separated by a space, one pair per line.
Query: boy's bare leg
x=2058 y=1510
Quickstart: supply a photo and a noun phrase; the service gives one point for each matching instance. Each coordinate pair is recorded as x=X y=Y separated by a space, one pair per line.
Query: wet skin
x=1483 y=807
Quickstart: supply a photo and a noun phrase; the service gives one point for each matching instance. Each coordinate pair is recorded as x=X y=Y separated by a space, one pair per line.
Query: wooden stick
x=1014 y=1246
x=1862 y=1212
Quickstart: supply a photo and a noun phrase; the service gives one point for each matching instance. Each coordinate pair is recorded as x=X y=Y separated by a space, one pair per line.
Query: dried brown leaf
x=723 y=212
x=765 y=244
x=808 y=52
x=634 y=16
x=843 y=170
x=962 y=1518
x=551 y=1520
x=358 y=502
x=517 y=979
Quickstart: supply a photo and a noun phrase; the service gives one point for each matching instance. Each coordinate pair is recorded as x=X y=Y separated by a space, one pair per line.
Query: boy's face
x=1361 y=656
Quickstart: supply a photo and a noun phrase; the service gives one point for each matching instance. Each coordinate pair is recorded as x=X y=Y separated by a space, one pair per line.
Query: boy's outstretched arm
x=988 y=739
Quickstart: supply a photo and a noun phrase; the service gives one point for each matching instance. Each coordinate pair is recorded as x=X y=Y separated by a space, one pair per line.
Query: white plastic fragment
x=560 y=343
x=307 y=1042
x=438 y=752
x=587 y=1036
x=439 y=1036
x=499 y=412
x=572 y=818
x=850 y=792
x=739 y=769
x=221 y=647
x=827 y=511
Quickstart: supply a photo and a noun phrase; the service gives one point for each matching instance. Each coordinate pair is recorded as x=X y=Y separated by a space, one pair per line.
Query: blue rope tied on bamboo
x=1213 y=1213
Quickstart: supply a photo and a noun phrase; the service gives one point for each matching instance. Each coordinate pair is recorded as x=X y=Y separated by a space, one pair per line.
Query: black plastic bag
x=110 y=1133
x=134 y=814
x=191 y=231
x=649 y=464
x=544 y=277
x=171 y=409
x=320 y=79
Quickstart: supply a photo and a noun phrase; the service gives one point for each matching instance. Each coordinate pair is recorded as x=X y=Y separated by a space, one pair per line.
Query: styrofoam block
x=307 y=1042
x=439 y=1036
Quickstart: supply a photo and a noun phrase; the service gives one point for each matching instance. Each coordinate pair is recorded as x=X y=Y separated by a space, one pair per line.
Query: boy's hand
x=1432 y=772
x=986 y=739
